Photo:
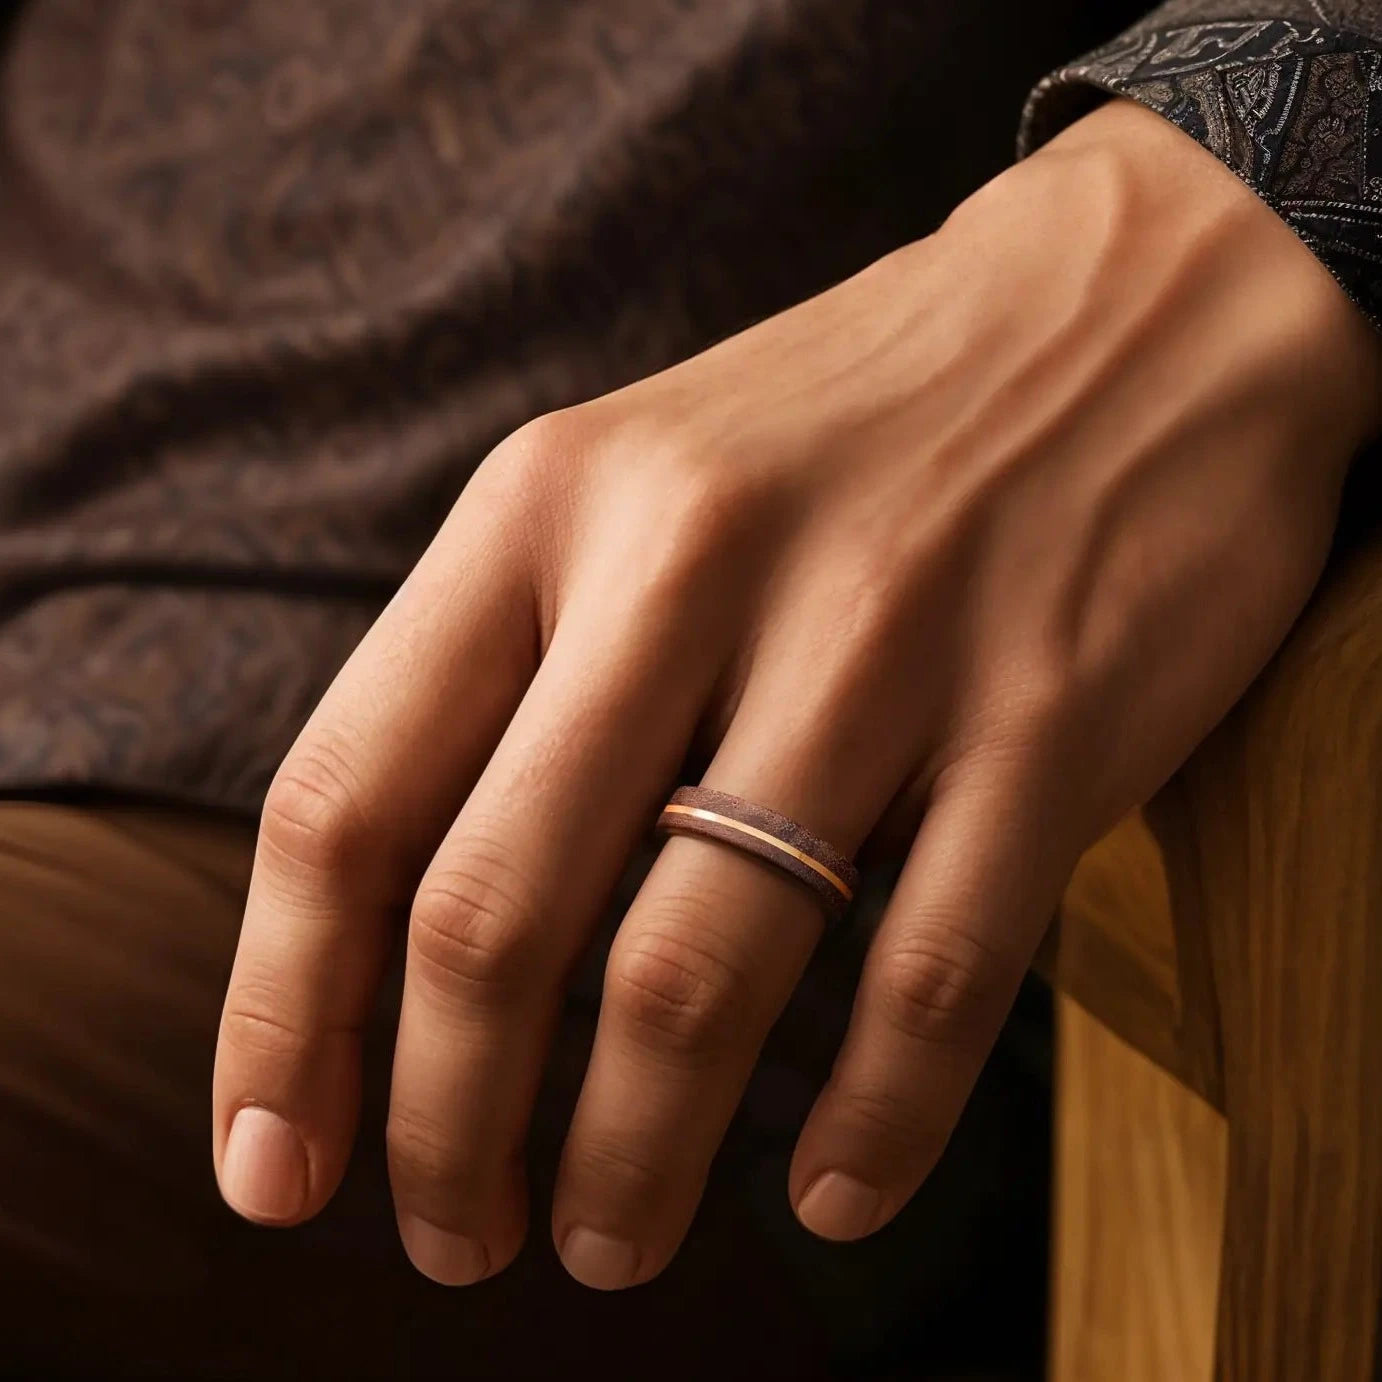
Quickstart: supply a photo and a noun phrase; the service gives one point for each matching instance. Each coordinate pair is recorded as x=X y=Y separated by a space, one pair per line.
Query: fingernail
x=264 y=1169
x=838 y=1206
x=597 y=1260
x=451 y=1259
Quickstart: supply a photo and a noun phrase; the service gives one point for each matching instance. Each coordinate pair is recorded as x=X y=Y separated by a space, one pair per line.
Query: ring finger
x=702 y=966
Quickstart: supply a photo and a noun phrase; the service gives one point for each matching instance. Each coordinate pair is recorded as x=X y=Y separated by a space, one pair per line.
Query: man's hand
x=975 y=546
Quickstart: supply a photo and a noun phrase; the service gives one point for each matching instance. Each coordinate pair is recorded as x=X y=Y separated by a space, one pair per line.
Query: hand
x=970 y=550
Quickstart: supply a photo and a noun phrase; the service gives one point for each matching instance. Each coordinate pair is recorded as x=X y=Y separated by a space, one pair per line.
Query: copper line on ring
x=815 y=865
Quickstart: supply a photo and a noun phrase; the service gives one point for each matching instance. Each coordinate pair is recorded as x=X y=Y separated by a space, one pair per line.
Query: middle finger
x=513 y=893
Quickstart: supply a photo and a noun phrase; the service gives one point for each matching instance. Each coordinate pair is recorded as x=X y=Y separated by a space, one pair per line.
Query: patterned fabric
x=1291 y=102
x=274 y=278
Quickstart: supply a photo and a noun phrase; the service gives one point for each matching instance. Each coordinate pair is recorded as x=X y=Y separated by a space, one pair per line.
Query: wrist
x=1128 y=211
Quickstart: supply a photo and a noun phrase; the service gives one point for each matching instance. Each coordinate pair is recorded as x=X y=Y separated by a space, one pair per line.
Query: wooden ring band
x=769 y=836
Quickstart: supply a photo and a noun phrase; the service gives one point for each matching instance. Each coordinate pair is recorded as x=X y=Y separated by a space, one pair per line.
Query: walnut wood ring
x=774 y=838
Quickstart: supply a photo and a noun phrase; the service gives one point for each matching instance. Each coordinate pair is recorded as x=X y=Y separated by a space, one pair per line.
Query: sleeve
x=1291 y=100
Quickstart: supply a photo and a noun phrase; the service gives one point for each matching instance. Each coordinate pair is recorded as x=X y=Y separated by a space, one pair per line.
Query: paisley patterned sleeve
x=1290 y=99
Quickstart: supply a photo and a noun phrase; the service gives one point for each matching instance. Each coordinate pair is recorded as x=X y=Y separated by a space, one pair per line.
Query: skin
x=961 y=558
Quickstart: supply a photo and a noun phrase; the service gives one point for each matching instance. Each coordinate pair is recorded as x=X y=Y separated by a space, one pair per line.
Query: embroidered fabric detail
x=1294 y=108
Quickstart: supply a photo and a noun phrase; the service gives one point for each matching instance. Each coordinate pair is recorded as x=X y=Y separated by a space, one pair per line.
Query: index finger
x=350 y=820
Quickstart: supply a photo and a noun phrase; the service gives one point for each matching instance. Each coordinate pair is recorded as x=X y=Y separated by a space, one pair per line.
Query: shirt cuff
x=1295 y=109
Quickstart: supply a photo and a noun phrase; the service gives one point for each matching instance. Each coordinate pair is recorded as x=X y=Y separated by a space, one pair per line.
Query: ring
x=766 y=834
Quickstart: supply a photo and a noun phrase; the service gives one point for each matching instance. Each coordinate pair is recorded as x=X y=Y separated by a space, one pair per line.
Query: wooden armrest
x=1232 y=931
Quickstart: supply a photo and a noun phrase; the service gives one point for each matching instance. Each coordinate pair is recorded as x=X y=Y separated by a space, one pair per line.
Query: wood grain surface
x=1115 y=949
x=1233 y=933
x=1139 y=1201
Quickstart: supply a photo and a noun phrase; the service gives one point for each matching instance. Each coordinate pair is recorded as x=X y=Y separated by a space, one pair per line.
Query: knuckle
x=709 y=512
x=677 y=995
x=564 y=433
x=470 y=928
x=896 y=1129
x=1017 y=741
x=870 y=608
x=1041 y=705
x=697 y=544
x=255 y=1023
x=537 y=463
x=714 y=499
x=312 y=815
x=900 y=557
x=933 y=989
x=419 y=1150
x=623 y=1175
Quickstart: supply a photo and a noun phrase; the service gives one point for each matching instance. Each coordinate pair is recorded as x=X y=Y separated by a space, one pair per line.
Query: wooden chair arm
x=1232 y=931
